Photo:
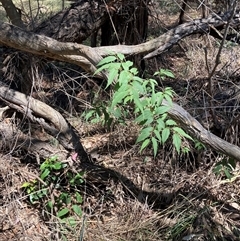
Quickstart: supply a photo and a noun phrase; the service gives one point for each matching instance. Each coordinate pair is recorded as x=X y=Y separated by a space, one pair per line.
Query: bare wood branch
x=196 y=130
x=46 y=116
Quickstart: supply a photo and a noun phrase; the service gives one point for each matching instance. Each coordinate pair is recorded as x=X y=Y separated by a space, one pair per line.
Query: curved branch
x=196 y=130
x=46 y=116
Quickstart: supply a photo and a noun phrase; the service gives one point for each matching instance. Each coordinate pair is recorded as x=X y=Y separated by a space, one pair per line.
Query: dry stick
x=217 y=62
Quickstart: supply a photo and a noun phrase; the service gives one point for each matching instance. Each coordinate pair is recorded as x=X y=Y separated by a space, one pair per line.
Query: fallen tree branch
x=50 y=119
x=88 y=57
x=196 y=130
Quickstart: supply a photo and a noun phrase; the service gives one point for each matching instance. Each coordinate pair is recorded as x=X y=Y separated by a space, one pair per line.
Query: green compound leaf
x=177 y=141
x=121 y=56
x=118 y=98
x=155 y=146
x=146 y=132
x=165 y=134
x=107 y=60
x=181 y=132
x=145 y=144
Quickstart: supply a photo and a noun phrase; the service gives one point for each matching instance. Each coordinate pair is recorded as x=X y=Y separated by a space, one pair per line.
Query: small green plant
x=225 y=168
x=56 y=190
x=135 y=96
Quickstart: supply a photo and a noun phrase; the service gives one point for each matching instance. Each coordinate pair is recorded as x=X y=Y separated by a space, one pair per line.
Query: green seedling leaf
x=181 y=132
x=77 y=210
x=118 y=98
x=145 y=144
x=177 y=141
x=71 y=221
x=145 y=133
x=78 y=198
x=106 y=60
x=63 y=212
x=155 y=146
x=170 y=123
x=121 y=56
x=157 y=134
x=45 y=174
x=53 y=159
x=165 y=134
x=126 y=65
x=57 y=166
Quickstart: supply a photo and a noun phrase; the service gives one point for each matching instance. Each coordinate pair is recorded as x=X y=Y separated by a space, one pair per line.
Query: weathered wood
x=196 y=130
x=12 y=139
x=88 y=57
x=50 y=119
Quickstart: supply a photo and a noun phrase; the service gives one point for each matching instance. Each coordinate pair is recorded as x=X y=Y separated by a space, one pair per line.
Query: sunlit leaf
x=181 y=132
x=63 y=212
x=155 y=146
x=107 y=60
x=177 y=142
x=145 y=133
x=170 y=123
x=45 y=174
x=77 y=210
x=165 y=134
x=144 y=144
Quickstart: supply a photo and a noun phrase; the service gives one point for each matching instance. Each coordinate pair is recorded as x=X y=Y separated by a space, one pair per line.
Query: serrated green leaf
x=177 y=141
x=138 y=87
x=144 y=144
x=111 y=76
x=77 y=210
x=159 y=97
x=134 y=71
x=136 y=100
x=161 y=110
x=123 y=77
x=144 y=133
x=106 y=60
x=106 y=66
x=157 y=134
x=155 y=146
x=160 y=124
x=120 y=56
x=170 y=123
x=140 y=118
x=165 y=134
x=168 y=99
x=118 y=98
x=181 y=132
x=126 y=65
x=63 y=212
